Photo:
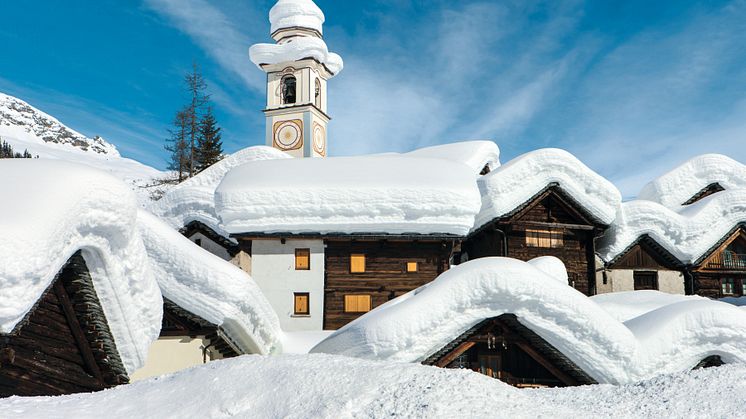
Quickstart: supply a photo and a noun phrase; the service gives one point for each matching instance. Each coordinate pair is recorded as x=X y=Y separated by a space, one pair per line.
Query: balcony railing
x=728 y=261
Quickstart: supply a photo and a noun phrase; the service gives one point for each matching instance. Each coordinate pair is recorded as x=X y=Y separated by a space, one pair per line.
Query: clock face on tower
x=288 y=135
x=319 y=139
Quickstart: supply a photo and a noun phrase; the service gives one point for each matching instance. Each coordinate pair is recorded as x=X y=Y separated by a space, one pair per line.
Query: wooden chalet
x=505 y=349
x=64 y=344
x=180 y=323
x=551 y=223
x=721 y=272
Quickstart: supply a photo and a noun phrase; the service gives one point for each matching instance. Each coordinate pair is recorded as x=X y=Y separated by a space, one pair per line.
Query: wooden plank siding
x=551 y=212
x=386 y=276
x=63 y=345
x=708 y=275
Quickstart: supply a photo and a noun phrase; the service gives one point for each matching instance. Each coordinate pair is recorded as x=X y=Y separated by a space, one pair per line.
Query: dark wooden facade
x=178 y=322
x=646 y=258
x=551 y=210
x=722 y=271
x=64 y=344
x=503 y=348
x=386 y=276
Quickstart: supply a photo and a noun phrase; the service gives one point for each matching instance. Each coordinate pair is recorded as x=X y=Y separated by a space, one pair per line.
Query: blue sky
x=630 y=87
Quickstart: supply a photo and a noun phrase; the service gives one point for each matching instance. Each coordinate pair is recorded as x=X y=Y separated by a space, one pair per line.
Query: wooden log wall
x=385 y=276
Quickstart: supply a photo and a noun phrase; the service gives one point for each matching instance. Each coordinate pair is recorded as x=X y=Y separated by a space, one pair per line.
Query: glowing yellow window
x=412 y=267
x=357 y=303
x=357 y=264
x=302 y=259
x=301 y=306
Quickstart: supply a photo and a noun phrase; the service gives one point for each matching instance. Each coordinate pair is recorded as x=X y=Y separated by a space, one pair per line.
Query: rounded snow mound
x=296 y=14
x=679 y=185
x=300 y=48
x=50 y=211
x=475 y=154
x=674 y=337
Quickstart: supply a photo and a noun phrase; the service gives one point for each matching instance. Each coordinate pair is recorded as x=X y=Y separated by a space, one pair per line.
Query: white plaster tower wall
x=298 y=67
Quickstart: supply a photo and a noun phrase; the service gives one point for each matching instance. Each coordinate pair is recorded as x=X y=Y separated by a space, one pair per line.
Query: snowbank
x=670 y=339
x=296 y=14
x=50 y=211
x=627 y=305
x=298 y=49
x=194 y=199
x=475 y=154
x=321 y=386
x=687 y=233
x=515 y=183
x=387 y=195
x=211 y=288
x=682 y=183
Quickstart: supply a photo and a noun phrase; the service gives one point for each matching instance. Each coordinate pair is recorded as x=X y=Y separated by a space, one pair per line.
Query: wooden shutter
x=412 y=267
x=357 y=264
x=302 y=259
x=646 y=281
x=301 y=304
x=357 y=303
x=546 y=239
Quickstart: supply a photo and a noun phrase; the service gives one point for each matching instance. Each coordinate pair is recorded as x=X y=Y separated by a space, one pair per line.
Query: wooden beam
x=546 y=364
x=454 y=354
x=555 y=225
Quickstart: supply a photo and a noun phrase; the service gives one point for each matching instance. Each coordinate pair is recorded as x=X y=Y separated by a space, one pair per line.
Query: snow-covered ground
x=27 y=128
x=323 y=386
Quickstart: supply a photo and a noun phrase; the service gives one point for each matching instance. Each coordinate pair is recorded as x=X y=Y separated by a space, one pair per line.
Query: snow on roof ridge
x=477 y=154
x=296 y=13
x=687 y=233
x=516 y=182
x=365 y=194
x=677 y=186
x=210 y=287
x=53 y=209
x=669 y=339
x=299 y=48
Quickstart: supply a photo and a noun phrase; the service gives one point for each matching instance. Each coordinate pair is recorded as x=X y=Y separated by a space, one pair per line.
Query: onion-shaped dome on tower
x=287 y=14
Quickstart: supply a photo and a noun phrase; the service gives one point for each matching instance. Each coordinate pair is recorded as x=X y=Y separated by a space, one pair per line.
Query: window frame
x=650 y=274
x=732 y=282
x=409 y=264
x=297 y=258
x=364 y=257
x=545 y=238
x=357 y=302
x=296 y=295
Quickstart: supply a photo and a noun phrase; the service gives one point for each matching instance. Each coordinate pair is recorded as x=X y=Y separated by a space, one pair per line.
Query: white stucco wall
x=211 y=246
x=273 y=268
x=619 y=280
x=170 y=354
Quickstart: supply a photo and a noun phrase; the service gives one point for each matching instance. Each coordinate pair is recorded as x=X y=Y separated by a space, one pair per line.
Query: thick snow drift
x=516 y=182
x=627 y=305
x=296 y=14
x=194 y=199
x=298 y=49
x=682 y=183
x=319 y=386
x=671 y=339
x=51 y=210
x=687 y=233
x=388 y=195
x=211 y=288
x=475 y=154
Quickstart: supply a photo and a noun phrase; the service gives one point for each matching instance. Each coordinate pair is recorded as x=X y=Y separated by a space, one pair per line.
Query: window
x=302 y=259
x=544 y=238
x=301 y=304
x=728 y=286
x=357 y=303
x=198 y=242
x=646 y=281
x=318 y=93
x=288 y=90
x=412 y=267
x=357 y=264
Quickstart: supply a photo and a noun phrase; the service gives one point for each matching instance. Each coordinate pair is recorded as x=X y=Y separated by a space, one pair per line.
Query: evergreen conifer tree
x=178 y=145
x=210 y=144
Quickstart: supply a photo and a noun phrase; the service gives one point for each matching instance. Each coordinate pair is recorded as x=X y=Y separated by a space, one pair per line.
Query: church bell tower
x=298 y=67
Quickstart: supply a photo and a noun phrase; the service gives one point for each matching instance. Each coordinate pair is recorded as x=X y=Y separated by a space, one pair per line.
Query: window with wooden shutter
x=646 y=281
x=302 y=306
x=728 y=286
x=412 y=267
x=302 y=259
x=357 y=264
x=547 y=239
x=357 y=303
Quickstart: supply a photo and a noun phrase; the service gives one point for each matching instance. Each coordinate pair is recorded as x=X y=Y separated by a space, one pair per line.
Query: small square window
x=301 y=304
x=412 y=267
x=728 y=286
x=646 y=281
x=357 y=264
x=302 y=259
x=357 y=303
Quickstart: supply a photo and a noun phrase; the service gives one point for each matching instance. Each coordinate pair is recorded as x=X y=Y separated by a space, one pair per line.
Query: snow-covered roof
x=682 y=183
x=475 y=154
x=688 y=233
x=210 y=288
x=194 y=199
x=377 y=195
x=516 y=182
x=298 y=49
x=627 y=305
x=672 y=338
x=51 y=210
x=296 y=14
